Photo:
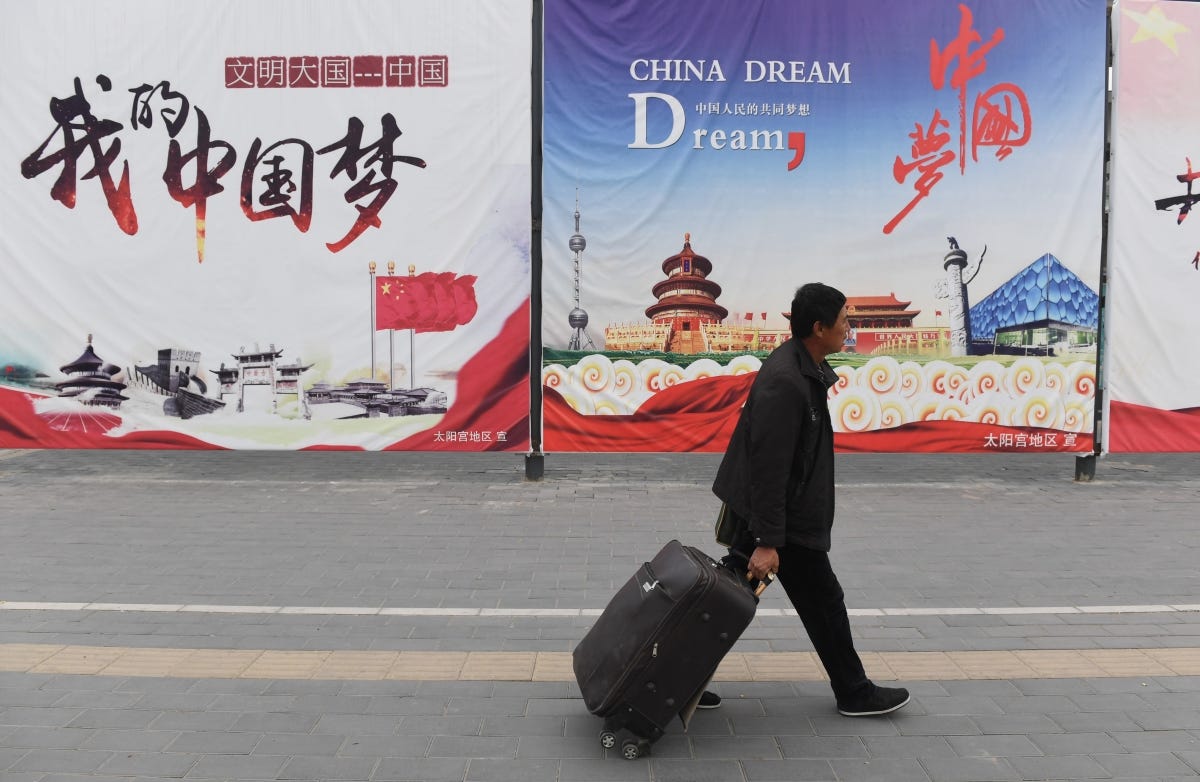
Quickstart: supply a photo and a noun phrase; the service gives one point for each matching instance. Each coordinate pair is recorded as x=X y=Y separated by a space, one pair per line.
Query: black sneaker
x=709 y=700
x=875 y=701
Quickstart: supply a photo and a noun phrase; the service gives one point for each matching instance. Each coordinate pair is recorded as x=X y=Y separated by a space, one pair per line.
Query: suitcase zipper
x=668 y=623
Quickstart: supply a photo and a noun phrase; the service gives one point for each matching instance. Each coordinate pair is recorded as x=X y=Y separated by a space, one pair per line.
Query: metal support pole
x=371 y=269
x=1085 y=465
x=1085 y=468
x=535 y=460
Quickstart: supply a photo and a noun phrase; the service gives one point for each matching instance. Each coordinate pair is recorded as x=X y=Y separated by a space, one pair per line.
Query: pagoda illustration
x=90 y=380
x=686 y=300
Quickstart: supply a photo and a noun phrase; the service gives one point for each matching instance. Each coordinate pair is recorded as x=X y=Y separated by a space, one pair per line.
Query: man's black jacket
x=777 y=473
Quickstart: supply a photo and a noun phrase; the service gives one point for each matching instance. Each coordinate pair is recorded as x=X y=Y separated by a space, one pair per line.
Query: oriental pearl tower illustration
x=578 y=317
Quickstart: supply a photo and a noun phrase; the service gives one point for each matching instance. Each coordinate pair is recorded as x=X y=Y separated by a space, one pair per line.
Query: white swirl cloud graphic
x=881 y=394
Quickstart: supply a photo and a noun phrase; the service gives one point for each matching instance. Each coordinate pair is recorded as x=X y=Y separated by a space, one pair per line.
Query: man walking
x=777 y=481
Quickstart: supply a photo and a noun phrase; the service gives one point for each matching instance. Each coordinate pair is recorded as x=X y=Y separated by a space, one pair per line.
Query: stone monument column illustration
x=954 y=288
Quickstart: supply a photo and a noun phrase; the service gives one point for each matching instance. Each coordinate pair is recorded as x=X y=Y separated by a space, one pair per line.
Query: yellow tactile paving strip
x=556 y=666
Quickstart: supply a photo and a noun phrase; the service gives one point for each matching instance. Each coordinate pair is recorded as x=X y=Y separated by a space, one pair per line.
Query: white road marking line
x=561 y=613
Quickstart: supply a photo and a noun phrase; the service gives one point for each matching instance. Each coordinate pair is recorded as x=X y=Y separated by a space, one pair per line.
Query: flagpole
x=391 y=341
x=371 y=266
x=412 y=359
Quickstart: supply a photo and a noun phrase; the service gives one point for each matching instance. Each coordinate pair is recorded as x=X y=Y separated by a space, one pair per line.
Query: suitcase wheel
x=632 y=749
x=608 y=739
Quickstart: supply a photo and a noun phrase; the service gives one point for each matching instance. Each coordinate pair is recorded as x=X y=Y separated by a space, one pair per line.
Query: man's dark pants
x=813 y=588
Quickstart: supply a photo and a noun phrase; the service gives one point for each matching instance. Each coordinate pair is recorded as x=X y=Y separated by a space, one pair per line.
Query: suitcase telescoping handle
x=762 y=585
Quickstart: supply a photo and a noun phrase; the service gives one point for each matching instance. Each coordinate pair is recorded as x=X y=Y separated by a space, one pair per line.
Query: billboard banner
x=1152 y=380
x=269 y=225
x=939 y=162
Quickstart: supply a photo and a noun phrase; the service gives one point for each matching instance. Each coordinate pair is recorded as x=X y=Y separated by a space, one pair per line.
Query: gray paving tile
x=10 y=755
x=1075 y=743
x=21 y=697
x=1067 y=767
x=194 y=720
x=349 y=725
x=421 y=770
x=846 y=726
x=1157 y=741
x=1126 y=684
x=239 y=767
x=114 y=718
x=1191 y=758
x=174 y=701
x=440 y=726
x=1054 y=686
x=1096 y=722
x=308 y=767
x=787 y=770
x=981 y=687
x=800 y=747
x=231 y=686
x=1033 y=704
x=908 y=747
x=985 y=769
x=520 y=770
x=403 y=705
x=679 y=770
x=1016 y=723
x=1158 y=700
x=959 y=704
x=129 y=740
x=493 y=706
x=86 y=699
x=149 y=764
x=215 y=743
x=523 y=726
x=327 y=704
x=890 y=769
x=1143 y=764
x=47 y=738
x=771 y=726
x=473 y=747
x=77 y=682
x=559 y=747
x=390 y=689
x=605 y=770
x=260 y=722
x=1111 y=702
x=993 y=746
x=39 y=715
x=72 y=760
x=1172 y=719
x=297 y=744
x=378 y=747
x=736 y=747
x=935 y=726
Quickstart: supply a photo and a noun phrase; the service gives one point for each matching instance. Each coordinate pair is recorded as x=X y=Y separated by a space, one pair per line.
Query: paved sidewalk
x=410 y=617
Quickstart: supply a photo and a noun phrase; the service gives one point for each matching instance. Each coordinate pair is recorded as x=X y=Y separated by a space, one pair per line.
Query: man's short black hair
x=812 y=302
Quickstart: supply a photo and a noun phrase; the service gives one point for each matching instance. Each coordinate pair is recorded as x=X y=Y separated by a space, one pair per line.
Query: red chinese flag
x=465 y=305
x=937 y=312
x=749 y=316
x=394 y=308
x=426 y=302
x=440 y=315
x=764 y=317
x=453 y=302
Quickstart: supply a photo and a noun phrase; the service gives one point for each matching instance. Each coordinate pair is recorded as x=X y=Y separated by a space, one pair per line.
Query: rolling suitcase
x=656 y=646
